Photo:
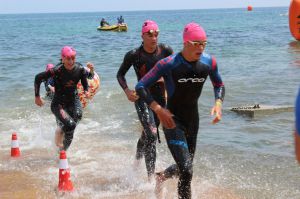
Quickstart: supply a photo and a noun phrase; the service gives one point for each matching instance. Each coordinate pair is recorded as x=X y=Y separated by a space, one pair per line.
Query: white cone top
x=14 y=144
x=63 y=164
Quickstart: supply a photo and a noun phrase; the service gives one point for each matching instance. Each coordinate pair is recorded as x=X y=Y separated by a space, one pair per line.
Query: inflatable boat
x=117 y=27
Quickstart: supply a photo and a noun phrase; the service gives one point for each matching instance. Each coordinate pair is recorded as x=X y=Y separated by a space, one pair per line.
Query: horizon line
x=62 y=12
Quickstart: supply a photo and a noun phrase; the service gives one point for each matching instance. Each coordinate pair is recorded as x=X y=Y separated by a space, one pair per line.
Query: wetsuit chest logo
x=70 y=83
x=192 y=80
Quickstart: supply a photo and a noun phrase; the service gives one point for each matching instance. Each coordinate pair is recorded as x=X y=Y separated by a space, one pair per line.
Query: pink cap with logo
x=49 y=66
x=149 y=25
x=68 y=51
x=193 y=32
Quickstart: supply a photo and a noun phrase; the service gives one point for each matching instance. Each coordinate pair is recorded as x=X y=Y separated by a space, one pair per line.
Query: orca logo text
x=193 y=80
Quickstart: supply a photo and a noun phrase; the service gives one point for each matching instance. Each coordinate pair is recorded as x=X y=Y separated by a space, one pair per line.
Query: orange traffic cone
x=65 y=183
x=15 y=151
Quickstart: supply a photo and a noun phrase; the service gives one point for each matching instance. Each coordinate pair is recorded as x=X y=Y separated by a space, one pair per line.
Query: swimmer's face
x=195 y=48
x=69 y=62
x=150 y=38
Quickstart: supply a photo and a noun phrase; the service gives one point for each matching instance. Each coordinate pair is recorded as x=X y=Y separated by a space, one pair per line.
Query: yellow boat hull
x=117 y=28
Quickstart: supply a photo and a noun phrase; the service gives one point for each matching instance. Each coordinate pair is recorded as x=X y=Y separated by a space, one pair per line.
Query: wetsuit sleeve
x=125 y=66
x=149 y=79
x=46 y=83
x=49 y=81
x=297 y=111
x=215 y=77
x=83 y=80
x=168 y=50
x=89 y=75
x=39 y=78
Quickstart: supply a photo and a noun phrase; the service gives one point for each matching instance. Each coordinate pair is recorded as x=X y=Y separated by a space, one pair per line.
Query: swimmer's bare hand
x=39 y=101
x=52 y=89
x=217 y=111
x=164 y=115
x=161 y=80
x=91 y=67
x=131 y=95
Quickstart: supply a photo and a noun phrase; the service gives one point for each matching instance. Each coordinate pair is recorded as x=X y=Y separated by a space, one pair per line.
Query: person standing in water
x=184 y=74
x=143 y=59
x=65 y=105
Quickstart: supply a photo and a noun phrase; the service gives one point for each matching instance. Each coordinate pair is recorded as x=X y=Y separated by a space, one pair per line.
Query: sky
x=50 y=6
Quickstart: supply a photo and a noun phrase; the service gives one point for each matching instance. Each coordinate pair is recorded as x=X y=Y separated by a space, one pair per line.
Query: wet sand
x=35 y=175
x=16 y=184
x=200 y=191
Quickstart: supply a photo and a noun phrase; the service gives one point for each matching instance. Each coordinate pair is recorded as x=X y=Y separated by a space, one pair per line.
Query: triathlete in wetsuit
x=297 y=127
x=143 y=59
x=49 y=83
x=65 y=105
x=184 y=75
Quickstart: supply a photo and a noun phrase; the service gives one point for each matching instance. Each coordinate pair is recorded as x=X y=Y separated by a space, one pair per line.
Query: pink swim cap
x=68 y=51
x=49 y=66
x=193 y=32
x=149 y=25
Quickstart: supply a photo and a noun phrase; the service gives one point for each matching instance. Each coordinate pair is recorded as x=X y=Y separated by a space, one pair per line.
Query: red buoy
x=249 y=8
x=294 y=18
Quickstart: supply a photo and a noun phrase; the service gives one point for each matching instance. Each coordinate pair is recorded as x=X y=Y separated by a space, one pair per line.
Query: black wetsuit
x=142 y=63
x=103 y=23
x=184 y=81
x=65 y=105
x=47 y=83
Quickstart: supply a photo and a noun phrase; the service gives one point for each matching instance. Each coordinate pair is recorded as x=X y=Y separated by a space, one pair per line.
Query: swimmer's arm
x=124 y=67
x=297 y=127
x=169 y=51
x=39 y=78
x=297 y=146
x=215 y=77
x=164 y=115
x=90 y=70
x=142 y=86
x=219 y=91
x=84 y=81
